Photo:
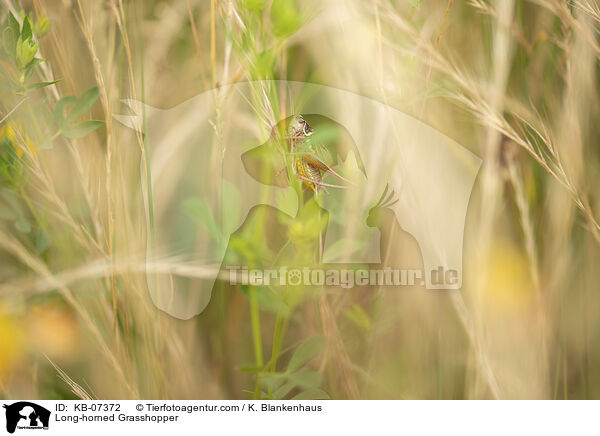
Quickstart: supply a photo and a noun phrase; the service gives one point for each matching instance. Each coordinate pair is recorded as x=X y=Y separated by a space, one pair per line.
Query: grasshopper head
x=299 y=127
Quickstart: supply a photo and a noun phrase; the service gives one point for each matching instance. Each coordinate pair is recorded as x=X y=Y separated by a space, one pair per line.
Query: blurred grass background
x=514 y=81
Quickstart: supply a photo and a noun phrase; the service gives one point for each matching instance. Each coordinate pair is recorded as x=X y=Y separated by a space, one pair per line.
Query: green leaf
x=59 y=109
x=285 y=389
x=272 y=381
x=306 y=379
x=251 y=394
x=26 y=50
x=26 y=32
x=312 y=394
x=42 y=241
x=34 y=62
x=414 y=3
x=309 y=223
x=40 y=84
x=13 y=24
x=256 y=6
x=82 y=129
x=273 y=302
x=285 y=17
x=9 y=42
x=305 y=353
x=10 y=35
x=83 y=104
x=263 y=66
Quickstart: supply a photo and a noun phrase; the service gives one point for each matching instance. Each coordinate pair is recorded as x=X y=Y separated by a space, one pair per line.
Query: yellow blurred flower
x=509 y=283
x=11 y=345
x=8 y=132
x=54 y=331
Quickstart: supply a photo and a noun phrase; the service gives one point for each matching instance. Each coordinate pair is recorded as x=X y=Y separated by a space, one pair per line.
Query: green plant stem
x=275 y=350
x=276 y=347
x=281 y=325
x=146 y=157
x=256 y=335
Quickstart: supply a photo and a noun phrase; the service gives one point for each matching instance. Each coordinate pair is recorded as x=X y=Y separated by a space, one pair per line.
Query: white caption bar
x=23 y=417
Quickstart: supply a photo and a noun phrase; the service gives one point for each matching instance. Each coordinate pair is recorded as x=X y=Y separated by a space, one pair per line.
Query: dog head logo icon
x=26 y=415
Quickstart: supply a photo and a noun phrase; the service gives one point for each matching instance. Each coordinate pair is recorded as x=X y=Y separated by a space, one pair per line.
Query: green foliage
x=305 y=353
x=296 y=376
x=75 y=108
x=10 y=34
x=248 y=245
x=82 y=129
x=312 y=394
x=264 y=64
x=326 y=135
x=20 y=45
x=308 y=224
x=285 y=17
x=26 y=47
x=256 y=6
x=42 y=241
x=11 y=168
x=82 y=104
